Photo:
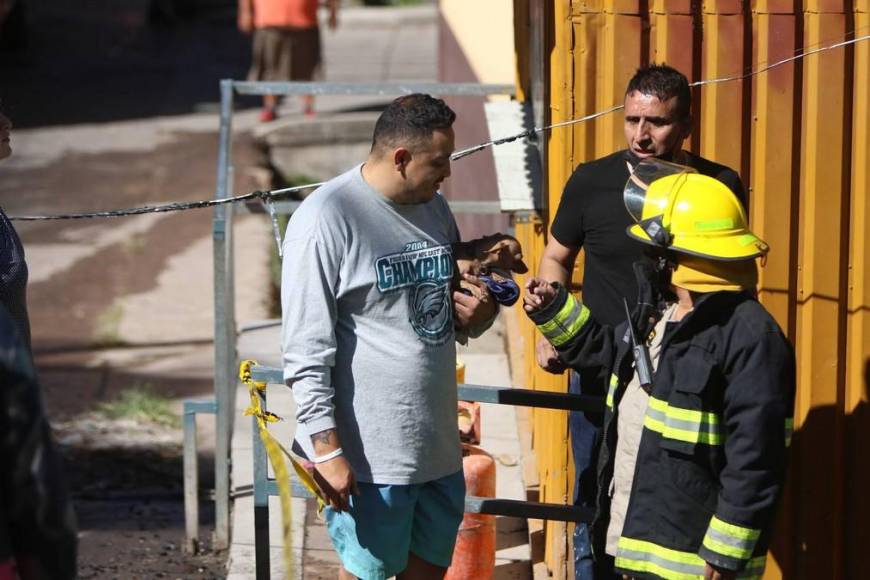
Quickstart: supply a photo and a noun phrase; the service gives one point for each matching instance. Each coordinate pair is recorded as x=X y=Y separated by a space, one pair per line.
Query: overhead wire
x=268 y=196
x=530 y=133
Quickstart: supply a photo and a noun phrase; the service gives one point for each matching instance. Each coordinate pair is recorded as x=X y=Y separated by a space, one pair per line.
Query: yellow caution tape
x=276 y=453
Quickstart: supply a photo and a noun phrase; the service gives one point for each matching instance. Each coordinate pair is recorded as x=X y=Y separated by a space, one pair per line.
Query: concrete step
x=318 y=148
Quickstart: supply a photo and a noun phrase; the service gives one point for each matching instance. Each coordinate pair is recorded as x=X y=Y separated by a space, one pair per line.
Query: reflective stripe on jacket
x=712 y=457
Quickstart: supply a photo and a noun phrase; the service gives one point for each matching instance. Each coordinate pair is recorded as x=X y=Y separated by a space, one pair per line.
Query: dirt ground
x=125 y=475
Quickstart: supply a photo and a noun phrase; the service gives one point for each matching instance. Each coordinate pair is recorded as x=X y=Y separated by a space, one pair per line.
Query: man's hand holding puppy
x=475 y=311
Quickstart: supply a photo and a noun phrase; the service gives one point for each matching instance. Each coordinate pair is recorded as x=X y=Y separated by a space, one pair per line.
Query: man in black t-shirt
x=592 y=216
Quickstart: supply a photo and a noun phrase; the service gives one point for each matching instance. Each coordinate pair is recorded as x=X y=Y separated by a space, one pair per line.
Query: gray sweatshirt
x=368 y=338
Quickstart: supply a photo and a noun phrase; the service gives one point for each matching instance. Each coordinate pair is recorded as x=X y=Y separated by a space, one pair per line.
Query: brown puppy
x=499 y=254
x=496 y=255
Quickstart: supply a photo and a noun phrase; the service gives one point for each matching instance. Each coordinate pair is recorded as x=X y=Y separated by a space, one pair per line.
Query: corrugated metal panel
x=820 y=302
x=800 y=136
x=551 y=428
x=774 y=203
x=858 y=331
x=721 y=106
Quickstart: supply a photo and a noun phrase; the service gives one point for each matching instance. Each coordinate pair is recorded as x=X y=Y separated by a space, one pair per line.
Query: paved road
x=148 y=145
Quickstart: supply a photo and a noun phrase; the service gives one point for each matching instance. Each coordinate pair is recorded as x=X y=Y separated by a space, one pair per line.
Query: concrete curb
x=384 y=16
x=327 y=128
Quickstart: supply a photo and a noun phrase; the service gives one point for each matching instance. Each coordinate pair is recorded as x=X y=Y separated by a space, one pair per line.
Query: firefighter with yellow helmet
x=699 y=409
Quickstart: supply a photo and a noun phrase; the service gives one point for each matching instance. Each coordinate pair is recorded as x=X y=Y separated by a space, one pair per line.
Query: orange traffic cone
x=469 y=422
x=474 y=555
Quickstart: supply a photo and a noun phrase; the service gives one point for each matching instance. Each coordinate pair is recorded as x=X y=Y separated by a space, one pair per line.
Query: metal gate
x=264 y=486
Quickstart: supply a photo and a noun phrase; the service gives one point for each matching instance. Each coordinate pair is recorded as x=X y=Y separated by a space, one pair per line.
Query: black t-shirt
x=592 y=215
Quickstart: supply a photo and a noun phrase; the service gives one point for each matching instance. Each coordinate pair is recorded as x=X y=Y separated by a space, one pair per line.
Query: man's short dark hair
x=411 y=119
x=663 y=82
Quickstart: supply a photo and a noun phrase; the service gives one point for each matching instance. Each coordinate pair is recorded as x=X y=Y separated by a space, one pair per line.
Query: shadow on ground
x=129 y=505
x=90 y=62
x=126 y=478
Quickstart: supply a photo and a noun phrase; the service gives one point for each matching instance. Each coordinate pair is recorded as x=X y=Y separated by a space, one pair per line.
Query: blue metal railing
x=265 y=486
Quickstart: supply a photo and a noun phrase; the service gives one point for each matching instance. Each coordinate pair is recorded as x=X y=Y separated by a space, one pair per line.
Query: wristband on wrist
x=331 y=455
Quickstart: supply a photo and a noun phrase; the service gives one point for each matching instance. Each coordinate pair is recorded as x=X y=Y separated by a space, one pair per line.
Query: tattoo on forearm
x=324 y=437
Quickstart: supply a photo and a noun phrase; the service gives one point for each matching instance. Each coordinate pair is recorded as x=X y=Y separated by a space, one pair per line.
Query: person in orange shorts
x=286 y=44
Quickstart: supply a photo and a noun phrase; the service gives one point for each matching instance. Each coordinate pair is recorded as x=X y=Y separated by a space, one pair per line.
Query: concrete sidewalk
x=486 y=363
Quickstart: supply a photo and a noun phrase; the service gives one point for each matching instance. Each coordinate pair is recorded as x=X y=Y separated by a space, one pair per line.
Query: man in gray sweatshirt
x=369 y=328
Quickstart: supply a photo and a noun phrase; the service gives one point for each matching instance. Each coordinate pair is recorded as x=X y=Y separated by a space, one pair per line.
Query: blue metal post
x=191 y=472
x=225 y=325
x=261 y=499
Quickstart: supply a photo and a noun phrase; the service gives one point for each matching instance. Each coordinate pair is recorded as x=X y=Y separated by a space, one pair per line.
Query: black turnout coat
x=712 y=456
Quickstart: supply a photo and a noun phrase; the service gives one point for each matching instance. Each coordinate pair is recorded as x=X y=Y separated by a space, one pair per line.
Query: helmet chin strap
x=656 y=231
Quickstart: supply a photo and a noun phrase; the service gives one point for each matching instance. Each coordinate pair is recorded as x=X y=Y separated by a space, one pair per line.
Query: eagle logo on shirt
x=431 y=313
x=425 y=271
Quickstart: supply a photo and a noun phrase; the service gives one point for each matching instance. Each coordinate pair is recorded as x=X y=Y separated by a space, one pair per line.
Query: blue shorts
x=386 y=522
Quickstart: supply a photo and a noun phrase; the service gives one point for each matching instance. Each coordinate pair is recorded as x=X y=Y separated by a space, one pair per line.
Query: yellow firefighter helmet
x=684 y=211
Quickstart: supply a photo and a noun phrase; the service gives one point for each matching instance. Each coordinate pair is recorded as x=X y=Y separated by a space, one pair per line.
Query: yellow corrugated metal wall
x=799 y=134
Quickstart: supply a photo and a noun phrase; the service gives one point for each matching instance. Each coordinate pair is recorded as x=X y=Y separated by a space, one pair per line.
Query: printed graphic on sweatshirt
x=426 y=272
